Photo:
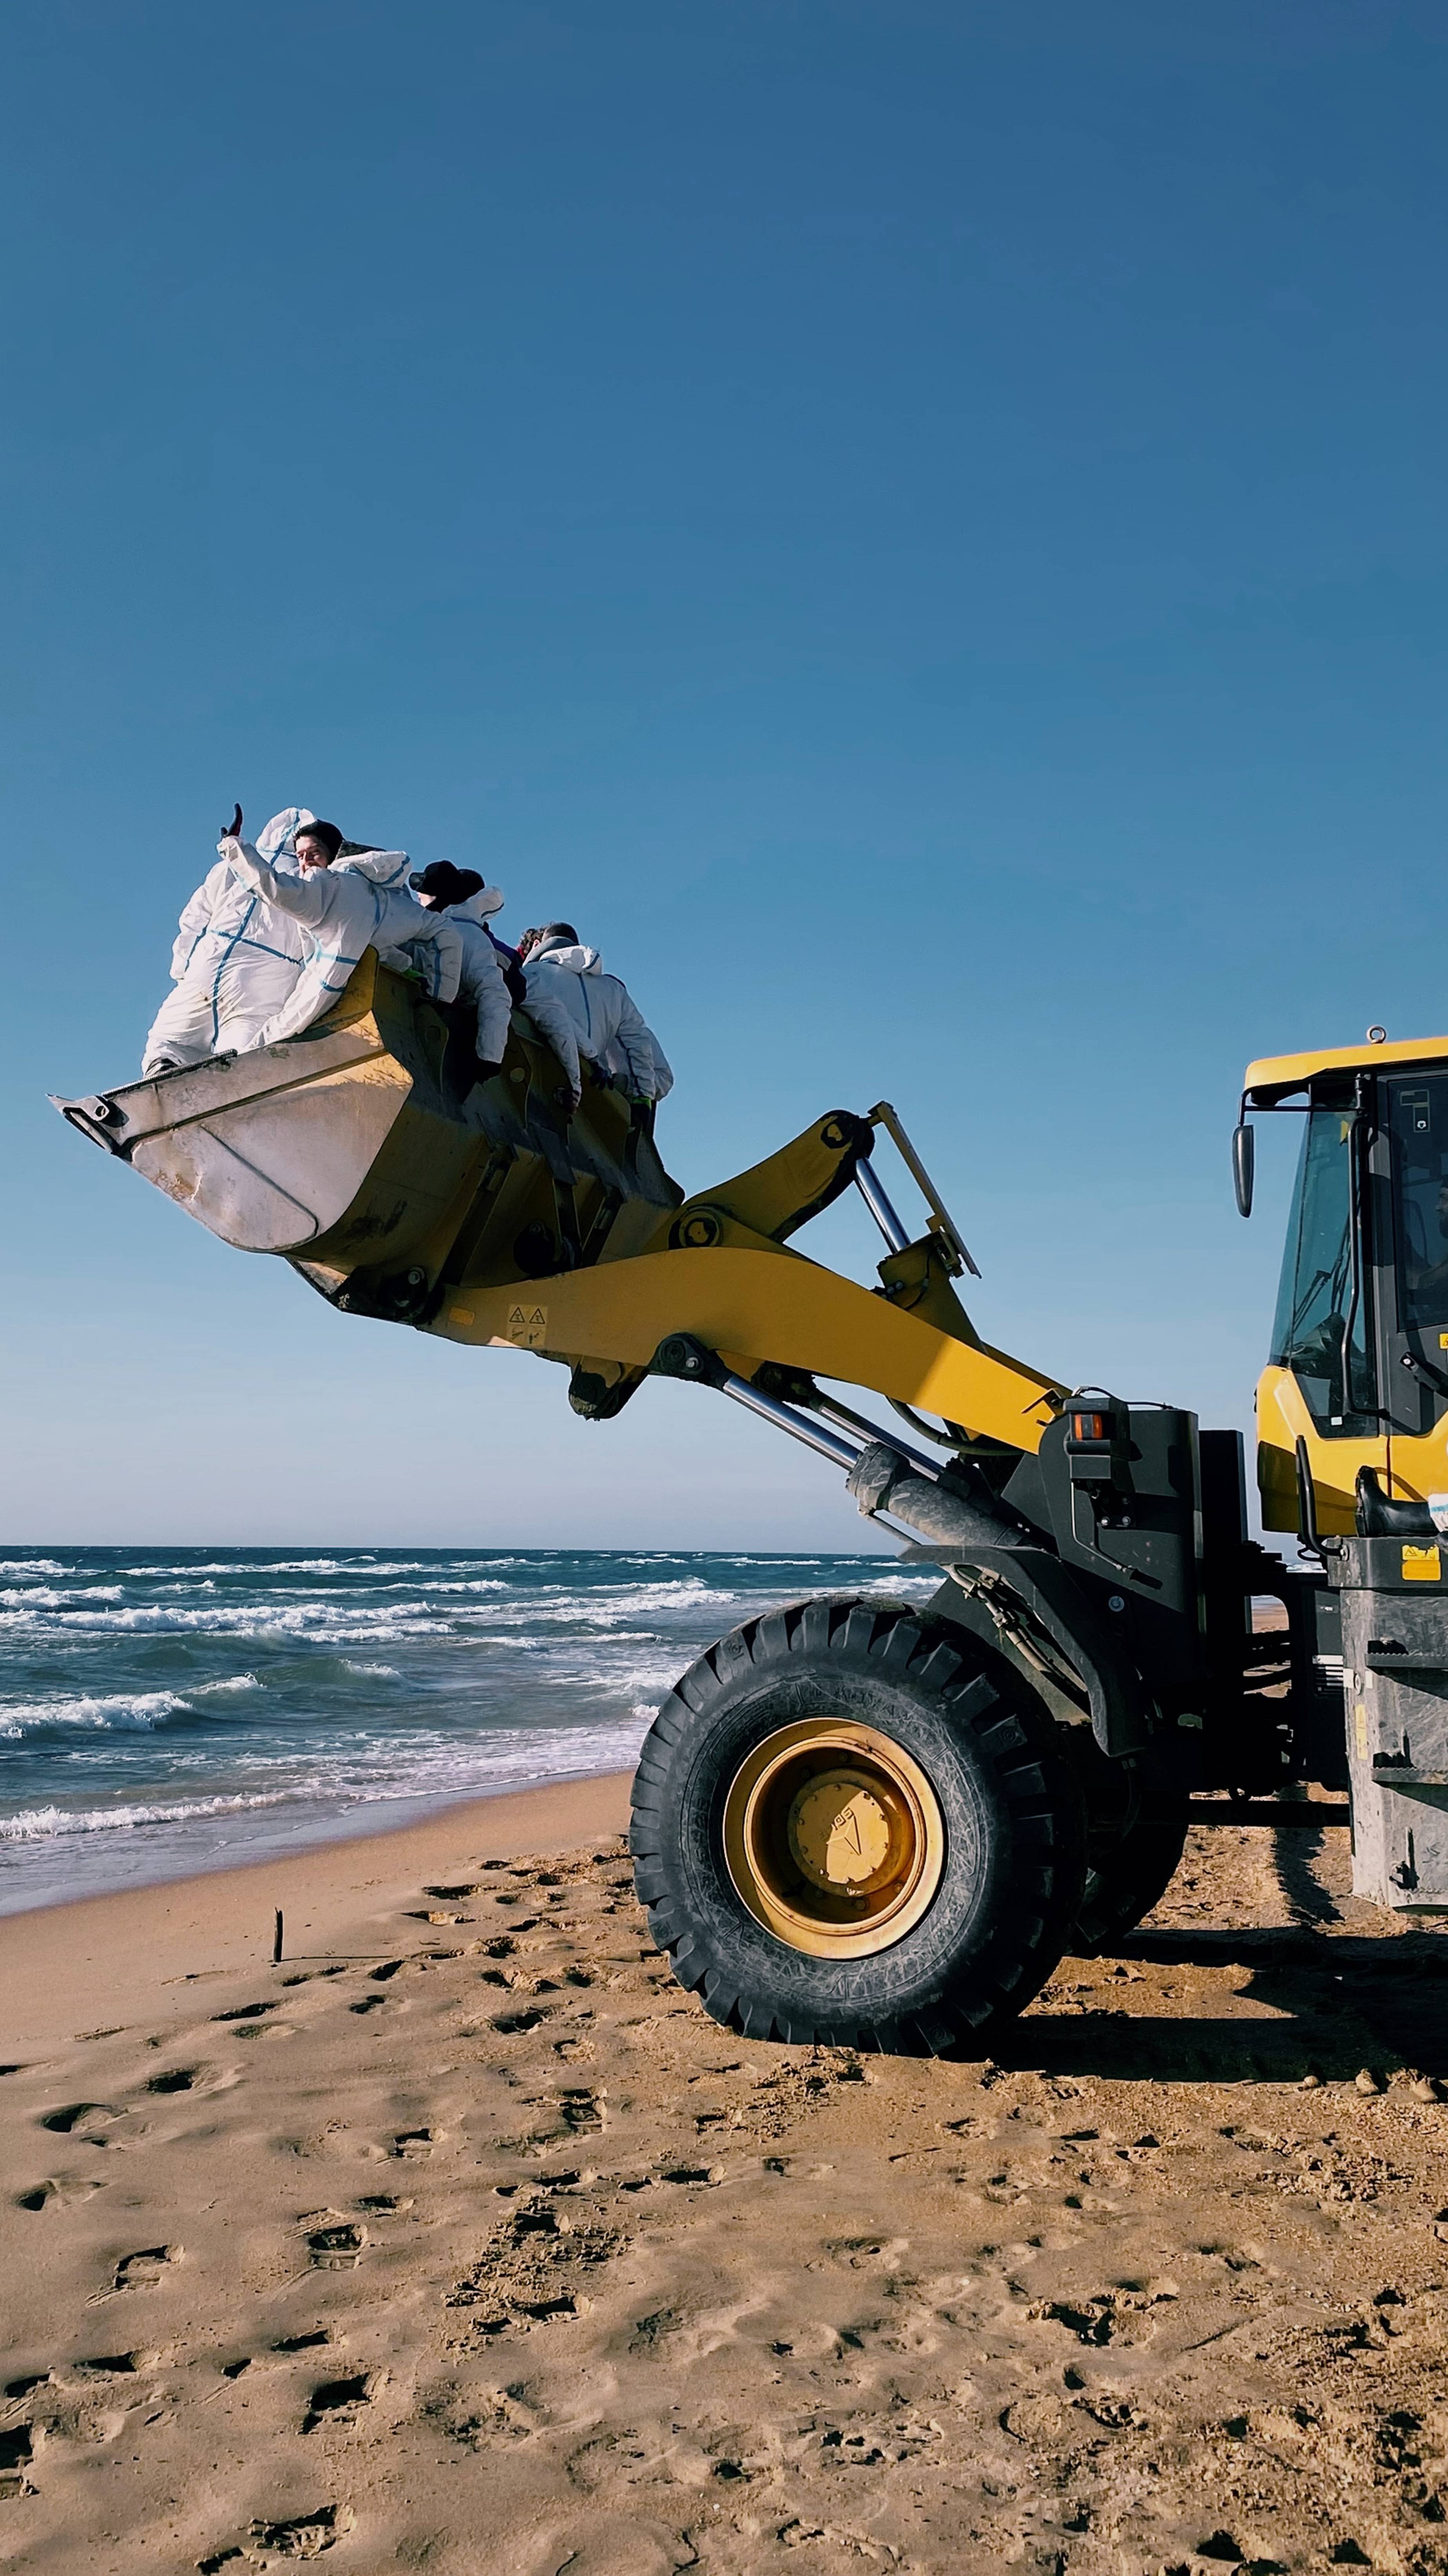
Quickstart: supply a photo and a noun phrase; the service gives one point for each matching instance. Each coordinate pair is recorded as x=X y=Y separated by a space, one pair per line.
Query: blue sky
x=919 y=526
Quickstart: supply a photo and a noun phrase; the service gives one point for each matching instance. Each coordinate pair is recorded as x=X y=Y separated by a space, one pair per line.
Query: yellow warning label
x=1360 y=1731
x=528 y=1327
x=1422 y=1565
x=460 y=1314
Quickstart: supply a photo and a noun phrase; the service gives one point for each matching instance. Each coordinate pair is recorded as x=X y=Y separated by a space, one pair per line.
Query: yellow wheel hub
x=834 y=1838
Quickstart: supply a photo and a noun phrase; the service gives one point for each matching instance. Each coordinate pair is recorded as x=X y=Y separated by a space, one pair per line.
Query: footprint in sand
x=340 y=2401
x=250 y=2012
x=81 y=2115
x=582 y=2109
x=302 y=2535
x=370 y=2003
x=17 y=2450
x=144 y=2269
x=65 y=2192
x=337 y=2246
x=122 y=2365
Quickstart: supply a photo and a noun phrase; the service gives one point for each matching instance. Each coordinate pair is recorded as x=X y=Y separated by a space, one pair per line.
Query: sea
x=168 y=1710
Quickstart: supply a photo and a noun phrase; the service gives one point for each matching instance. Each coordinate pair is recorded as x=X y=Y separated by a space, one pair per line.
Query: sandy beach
x=463 y=2239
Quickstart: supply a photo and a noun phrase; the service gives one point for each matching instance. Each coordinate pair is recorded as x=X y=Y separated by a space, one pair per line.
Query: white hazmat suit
x=483 y=985
x=341 y=913
x=235 y=960
x=582 y=1011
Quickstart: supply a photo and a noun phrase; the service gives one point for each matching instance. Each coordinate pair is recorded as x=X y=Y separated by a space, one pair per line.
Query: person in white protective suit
x=248 y=966
x=583 y=1012
x=470 y=904
x=342 y=911
x=235 y=961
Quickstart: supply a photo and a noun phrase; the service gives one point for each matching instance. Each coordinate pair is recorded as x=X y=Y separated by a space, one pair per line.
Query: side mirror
x=1244 y=1158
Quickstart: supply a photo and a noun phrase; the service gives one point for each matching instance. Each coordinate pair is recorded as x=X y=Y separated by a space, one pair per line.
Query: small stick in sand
x=277 y=1941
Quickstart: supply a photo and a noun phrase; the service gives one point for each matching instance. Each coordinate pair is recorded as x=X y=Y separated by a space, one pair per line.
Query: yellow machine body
x=1410 y=1461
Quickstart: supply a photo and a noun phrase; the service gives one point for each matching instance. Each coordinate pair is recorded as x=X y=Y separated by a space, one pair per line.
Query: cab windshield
x=1321 y=1328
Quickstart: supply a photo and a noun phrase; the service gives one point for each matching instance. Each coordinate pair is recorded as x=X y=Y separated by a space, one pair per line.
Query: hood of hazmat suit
x=381 y=867
x=584 y=1012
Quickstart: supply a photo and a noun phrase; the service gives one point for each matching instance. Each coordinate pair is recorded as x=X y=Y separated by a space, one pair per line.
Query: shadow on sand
x=1344 y=2002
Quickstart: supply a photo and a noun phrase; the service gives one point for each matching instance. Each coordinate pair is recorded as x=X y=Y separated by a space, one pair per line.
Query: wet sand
x=464 y=2241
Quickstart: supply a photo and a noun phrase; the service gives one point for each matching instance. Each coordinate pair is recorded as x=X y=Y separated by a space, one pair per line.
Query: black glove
x=233 y=828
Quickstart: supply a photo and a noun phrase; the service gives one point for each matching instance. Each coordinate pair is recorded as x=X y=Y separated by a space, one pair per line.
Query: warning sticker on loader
x=1422 y=1565
x=528 y=1327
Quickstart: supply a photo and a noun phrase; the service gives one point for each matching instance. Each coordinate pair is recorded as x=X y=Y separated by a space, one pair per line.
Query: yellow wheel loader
x=854 y=1820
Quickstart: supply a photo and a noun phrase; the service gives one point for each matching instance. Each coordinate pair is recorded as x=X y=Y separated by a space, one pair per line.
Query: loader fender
x=958 y=1531
x=1121 y=1715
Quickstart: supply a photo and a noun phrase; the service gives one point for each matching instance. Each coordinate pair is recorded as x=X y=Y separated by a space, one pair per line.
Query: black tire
x=1012 y=1813
x=1128 y=1872
x=1123 y=1891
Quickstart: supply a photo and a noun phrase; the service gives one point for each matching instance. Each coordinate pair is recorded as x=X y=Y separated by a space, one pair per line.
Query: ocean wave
x=124 y=1712
x=433 y=1768
x=43 y=1596
x=43 y=1824
x=371 y=1672
x=319 y=1565
x=475 y=1583
x=327 y=1621
x=325 y=1624
x=30 y=1565
x=129 y=1710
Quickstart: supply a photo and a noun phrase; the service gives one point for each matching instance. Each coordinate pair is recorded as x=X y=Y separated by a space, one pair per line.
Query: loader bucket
x=359 y=1150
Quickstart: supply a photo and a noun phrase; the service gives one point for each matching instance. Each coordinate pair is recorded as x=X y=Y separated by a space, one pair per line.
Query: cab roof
x=1272 y=1077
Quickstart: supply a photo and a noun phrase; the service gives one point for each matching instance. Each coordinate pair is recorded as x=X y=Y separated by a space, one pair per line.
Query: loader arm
x=755 y=1303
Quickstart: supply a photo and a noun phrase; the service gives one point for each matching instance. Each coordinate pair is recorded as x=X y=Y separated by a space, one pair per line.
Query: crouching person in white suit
x=469 y=903
x=583 y=1012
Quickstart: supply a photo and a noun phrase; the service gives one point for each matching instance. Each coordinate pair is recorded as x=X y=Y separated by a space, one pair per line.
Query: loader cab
x=1357 y=1371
